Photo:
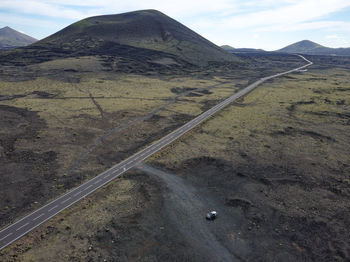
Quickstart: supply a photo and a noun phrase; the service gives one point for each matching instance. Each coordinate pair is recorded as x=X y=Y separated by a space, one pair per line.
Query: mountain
x=10 y=38
x=304 y=46
x=241 y=50
x=312 y=48
x=248 y=50
x=134 y=35
x=227 y=47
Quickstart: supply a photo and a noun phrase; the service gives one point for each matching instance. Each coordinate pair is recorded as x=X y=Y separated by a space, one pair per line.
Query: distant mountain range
x=311 y=48
x=227 y=47
x=306 y=47
x=10 y=38
x=241 y=50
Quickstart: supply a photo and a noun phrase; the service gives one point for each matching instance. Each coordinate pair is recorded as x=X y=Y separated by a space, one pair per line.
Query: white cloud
x=283 y=13
x=34 y=7
x=284 y=16
x=330 y=25
x=214 y=19
x=336 y=40
x=6 y=19
x=332 y=37
x=73 y=10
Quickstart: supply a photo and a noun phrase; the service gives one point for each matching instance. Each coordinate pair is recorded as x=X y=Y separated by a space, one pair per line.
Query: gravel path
x=186 y=207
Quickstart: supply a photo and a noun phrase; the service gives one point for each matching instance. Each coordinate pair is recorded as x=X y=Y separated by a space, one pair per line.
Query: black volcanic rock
x=146 y=29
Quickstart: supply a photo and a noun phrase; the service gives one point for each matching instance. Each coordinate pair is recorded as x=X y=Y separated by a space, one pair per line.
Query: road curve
x=18 y=229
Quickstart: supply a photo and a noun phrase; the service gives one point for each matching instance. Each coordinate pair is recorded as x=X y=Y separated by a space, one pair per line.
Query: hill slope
x=10 y=38
x=312 y=48
x=124 y=33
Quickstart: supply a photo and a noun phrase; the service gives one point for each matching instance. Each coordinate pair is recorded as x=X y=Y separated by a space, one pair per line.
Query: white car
x=211 y=215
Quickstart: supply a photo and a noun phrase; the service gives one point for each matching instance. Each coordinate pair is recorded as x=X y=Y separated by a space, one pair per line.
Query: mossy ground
x=86 y=119
x=270 y=139
x=281 y=154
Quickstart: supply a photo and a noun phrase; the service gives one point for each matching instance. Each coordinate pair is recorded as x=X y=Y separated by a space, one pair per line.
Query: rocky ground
x=280 y=158
x=274 y=165
x=66 y=120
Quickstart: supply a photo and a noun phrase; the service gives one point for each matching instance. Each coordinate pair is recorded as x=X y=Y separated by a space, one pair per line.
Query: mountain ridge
x=242 y=50
x=10 y=38
x=227 y=47
x=311 y=48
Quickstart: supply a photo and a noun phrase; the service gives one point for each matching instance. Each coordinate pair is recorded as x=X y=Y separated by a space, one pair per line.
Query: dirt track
x=186 y=208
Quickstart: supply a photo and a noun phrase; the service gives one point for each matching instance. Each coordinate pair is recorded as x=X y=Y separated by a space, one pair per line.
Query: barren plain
x=275 y=165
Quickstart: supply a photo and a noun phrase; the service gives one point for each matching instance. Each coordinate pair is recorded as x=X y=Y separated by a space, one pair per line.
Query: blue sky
x=267 y=24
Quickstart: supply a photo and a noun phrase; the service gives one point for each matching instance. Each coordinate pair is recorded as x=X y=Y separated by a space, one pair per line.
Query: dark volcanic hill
x=10 y=38
x=311 y=48
x=135 y=34
x=149 y=29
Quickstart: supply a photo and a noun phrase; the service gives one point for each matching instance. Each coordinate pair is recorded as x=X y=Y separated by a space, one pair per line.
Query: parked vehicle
x=211 y=215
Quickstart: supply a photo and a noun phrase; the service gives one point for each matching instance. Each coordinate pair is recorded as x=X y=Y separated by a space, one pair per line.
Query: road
x=15 y=231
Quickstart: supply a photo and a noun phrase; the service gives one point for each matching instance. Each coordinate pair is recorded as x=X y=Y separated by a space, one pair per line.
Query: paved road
x=43 y=214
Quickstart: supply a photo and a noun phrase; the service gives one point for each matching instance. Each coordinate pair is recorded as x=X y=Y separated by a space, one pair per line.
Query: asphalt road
x=43 y=214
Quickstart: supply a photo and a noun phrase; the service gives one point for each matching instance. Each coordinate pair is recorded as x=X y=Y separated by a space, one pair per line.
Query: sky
x=266 y=24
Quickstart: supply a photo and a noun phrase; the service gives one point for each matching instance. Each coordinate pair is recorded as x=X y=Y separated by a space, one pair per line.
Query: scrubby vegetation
x=64 y=121
x=280 y=158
